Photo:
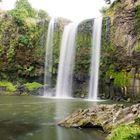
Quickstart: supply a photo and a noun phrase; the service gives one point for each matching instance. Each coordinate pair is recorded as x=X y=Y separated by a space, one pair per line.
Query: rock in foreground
x=105 y=117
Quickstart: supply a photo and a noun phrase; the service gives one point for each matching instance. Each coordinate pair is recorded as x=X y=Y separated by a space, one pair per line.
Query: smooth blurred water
x=35 y=118
x=67 y=61
x=95 y=59
x=49 y=57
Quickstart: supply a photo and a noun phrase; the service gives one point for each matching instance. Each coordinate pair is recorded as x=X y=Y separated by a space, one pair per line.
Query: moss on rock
x=33 y=86
x=8 y=85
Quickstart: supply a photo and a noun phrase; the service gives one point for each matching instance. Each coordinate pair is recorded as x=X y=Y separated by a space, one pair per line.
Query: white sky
x=70 y=9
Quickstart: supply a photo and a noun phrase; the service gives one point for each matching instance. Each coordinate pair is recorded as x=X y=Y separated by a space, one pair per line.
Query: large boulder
x=105 y=117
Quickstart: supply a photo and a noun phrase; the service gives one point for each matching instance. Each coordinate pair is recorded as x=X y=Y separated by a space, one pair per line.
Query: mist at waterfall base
x=67 y=61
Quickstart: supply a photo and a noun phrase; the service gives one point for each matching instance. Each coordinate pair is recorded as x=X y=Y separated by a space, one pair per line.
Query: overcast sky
x=71 y=9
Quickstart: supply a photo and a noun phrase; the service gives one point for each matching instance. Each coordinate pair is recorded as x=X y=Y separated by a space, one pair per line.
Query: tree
x=19 y=15
x=42 y=14
x=24 y=4
x=22 y=10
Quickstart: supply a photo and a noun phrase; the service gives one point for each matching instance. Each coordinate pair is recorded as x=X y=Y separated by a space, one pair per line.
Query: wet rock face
x=105 y=117
x=124 y=38
x=124 y=22
x=129 y=3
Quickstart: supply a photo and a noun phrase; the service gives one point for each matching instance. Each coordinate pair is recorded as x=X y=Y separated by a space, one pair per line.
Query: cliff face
x=125 y=34
x=120 y=65
x=123 y=19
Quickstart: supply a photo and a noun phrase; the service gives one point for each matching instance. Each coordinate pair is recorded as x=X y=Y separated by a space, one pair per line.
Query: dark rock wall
x=119 y=52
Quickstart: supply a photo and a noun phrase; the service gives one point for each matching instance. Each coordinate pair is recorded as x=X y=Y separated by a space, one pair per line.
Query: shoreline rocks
x=104 y=117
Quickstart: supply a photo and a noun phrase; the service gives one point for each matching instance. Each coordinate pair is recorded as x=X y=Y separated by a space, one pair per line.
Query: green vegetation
x=56 y=45
x=126 y=132
x=8 y=85
x=121 y=78
x=137 y=16
x=116 y=6
x=33 y=86
x=11 y=89
x=104 y=9
x=25 y=5
x=83 y=49
x=137 y=120
x=21 y=46
x=23 y=32
x=19 y=15
x=83 y=57
x=137 y=48
x=115 y=62
x=42 y=14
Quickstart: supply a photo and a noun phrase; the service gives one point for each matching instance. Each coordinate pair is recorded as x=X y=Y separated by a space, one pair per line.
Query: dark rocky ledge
x=105 y=117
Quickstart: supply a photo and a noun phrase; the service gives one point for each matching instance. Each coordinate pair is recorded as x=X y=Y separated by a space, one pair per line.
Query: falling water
x=66 y=63
x=48 y=58
x=94 y=69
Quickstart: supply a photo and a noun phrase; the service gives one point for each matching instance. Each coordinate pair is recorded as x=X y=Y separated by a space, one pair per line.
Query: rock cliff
x=120 y=66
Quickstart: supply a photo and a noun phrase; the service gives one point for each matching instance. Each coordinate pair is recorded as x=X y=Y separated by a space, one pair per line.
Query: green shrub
x=9 y=86
x=10 y=53
x=24 y=4
x=23 y=39
x=137 y=48
x=33 y=86
x=19 y=16
x=125 y=132
x=22 y=42
x=30 y=71
x=104 y=9
x=121 y=79
x=137 y=120
x=137 y=16
x=42 y=14
x=1 y=49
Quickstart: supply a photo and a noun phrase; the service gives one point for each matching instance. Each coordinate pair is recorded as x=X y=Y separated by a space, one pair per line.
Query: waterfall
x=95 y=59
x=66 y=62
x=48 y=58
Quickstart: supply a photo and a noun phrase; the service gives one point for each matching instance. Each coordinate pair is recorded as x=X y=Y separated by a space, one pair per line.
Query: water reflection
x=33 y=118
x=9 y=130
x=64 y=109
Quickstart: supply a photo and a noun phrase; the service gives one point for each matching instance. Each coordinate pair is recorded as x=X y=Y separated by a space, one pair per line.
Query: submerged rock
x=105 y=117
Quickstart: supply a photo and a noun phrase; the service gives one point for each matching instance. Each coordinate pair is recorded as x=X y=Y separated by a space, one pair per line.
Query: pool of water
x=35 y=118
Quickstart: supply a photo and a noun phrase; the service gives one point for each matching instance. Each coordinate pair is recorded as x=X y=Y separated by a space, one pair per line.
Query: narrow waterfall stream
x=95 y=59
x=48 y=58
x=66 y=62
